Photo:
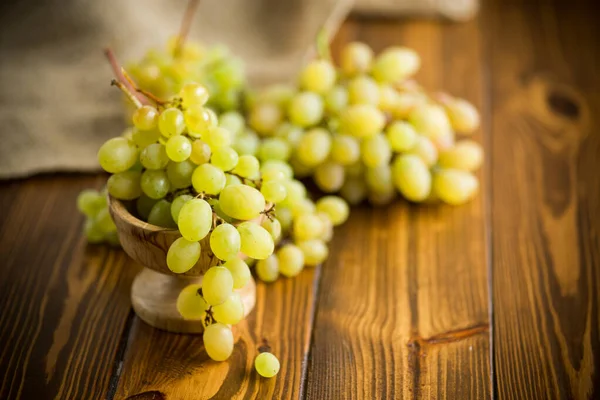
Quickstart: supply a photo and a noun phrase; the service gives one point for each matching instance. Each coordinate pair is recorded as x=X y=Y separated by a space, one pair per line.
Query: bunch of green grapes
x=99 y=226
x=366 y=130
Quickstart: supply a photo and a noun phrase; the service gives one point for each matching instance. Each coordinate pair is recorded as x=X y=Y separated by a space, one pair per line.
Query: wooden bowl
x=155 y=290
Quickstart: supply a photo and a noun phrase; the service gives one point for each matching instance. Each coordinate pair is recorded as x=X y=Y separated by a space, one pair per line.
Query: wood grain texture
x=546 y=198
x=64 y=304
x=405 y=313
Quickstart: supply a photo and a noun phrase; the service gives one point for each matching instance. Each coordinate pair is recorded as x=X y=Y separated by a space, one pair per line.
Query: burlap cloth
x=56 y=104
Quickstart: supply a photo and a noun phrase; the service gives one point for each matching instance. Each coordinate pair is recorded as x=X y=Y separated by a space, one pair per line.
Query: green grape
x=233 y=121
x=154 y=156
x=217 y=285
x=375 y=150
x=225 y=158
x=273 y=191
x=232 y=180
x=218 y=341
x=160 y=215
x=303 y=206
x=272 y=175
x=345 y=149
x=426 y=150
x=241 y=202
x=143 y=206
x=274 y=167
x=195 y=219
x=231 y=311
x=306 y=109
x=92 y=232
x=362 y=120
x=411 y=177
x=274 y=149
x=198 y=120
x=155 y=183
x=125 y=185
x=239 y=271
x=401 y=136
x=356 y=58
x=314 y=147
x=246 y=143
x=117 y=155
x=193 y=94
x=285 y=217
x=379 y=179
x=128 y=133
x=273 y=226
x=217 y=137
x=178 y=148
x=278 y=93
x=145 y=138
x=354 y=190
x=329 y=176
x=335 y=208
x=327 y=231
x=295 y=191
x=267 y=270
x=291 y=260
x=217 y=209
x=145 y=118
x=200 y=152
x=171 y=122
x=430 y=120
x=247 y=167
x=463 y=116
x=264 y=118
x=208 y=179
x=406 y=102
x=307 y=226
x=89 y=202
x=396 y=64
x=454 y=186
x=315 y=251
x=388 y=98
x=363 y=90
x=177 y=203
x=225 y=242
x=180 y=174
x=191 y=304
x=336 y=100
x=318 y=76
x=257 y=242
x=466 y=155
x=290 y=133
x=104 y=222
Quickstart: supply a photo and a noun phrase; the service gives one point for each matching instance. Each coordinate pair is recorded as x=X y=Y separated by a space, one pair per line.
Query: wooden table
x=498 y=298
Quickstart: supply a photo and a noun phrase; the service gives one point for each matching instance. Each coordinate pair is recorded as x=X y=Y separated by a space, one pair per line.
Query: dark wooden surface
x=498 y=298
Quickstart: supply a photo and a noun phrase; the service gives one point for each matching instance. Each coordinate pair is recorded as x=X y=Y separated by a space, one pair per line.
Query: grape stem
x=127 y=92
x=147 y=94
x=323 y=50
x=117 y=70
x=256 y=182
x=186 y=24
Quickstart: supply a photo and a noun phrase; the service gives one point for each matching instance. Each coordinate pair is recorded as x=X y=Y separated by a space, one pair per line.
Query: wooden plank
x=64 y=304
x=546 y=198
x=405 y=313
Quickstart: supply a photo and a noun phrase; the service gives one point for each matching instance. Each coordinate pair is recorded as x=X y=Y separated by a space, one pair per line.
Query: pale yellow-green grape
x=128 y=133
x=327 y=231
x=183 y=255
x=154 y=156
x=200 y=152
x=335 y=207
x=306 y=109
x=273 y=226
x=231 y=311
x=239 y=271
x=430 y=120
x=463 y=115
x=329 y=176
x=401 y=136
x=145 y=138
x=318 y=76
x=291 y=133
x=117 y=155
x=178 y=148
x=180 y=174
x=356 y=58
x=155 y=183
x=171 y=122
x=345 y=149
x=247 y=142
x=296 y=192
x=177 y=203
x=273 y=191
x=225 y=158
x=395 y=64
x=388 y=98
x=233 y=121
x=232 y=180
x=217 y=285
x=361 y=120
x=143 y=206
x=454 y=186
x=268 y=269
x=241 y=202
x=218 y=341
x=291 y=260
x=125 y=185
x=314 y=147
x=274 y=149
x=336 y=99
x=379 y=179
x=217 y=209
x=193 y=94
x=354 y=190
x=444 y=142
x=411 y=177
x=264 y=118
x=247 y=167
x=160 y=215
x=363 y=90
x=375 y=150
x=145 y=118
x=426 y=150
x=190 y=304
x=405 y=102
x=257 y=242
x=303 y=206
x=272 y=174
x=307 y=226
x=275 y=165
x=195 y=219
x=198 y=120
x=315 y=251
x=208 y=179
x=104 y=222
x=92 y=233
x=279 y=94
x=466 y=155
x=90 y=201
x=217 y=137
x=225 y=242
